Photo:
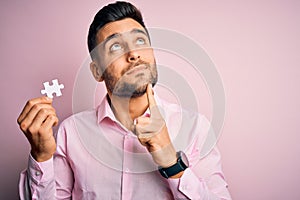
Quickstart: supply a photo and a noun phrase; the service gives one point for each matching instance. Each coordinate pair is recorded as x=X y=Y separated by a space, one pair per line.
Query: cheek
x=147 y=55
x=115 y=68
x=108 y=60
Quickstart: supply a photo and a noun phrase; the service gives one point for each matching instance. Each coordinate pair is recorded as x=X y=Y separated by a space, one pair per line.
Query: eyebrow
x=136 y=30
x=116 y=35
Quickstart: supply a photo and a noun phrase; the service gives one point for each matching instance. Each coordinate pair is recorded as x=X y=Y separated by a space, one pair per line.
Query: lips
x=136 y=69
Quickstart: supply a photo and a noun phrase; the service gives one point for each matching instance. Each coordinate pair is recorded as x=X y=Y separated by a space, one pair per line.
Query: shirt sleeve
x=203 y=179
x=38 y=180
x=51 y=179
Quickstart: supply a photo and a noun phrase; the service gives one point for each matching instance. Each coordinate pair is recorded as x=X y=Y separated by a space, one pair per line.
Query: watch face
x=184 y=158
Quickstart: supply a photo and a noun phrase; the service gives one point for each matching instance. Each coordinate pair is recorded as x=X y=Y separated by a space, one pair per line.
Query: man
x=115 y=150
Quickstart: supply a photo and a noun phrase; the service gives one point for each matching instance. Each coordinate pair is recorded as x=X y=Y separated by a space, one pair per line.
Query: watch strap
x=179 y=166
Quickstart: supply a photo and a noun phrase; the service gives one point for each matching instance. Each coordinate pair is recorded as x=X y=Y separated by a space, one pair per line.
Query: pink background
x=255 y=46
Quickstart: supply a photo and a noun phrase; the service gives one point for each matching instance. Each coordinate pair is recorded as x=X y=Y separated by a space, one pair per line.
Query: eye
x=115 y=47
x=140 y=41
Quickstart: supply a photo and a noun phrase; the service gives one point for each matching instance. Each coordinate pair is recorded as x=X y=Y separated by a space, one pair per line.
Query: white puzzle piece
x=54 y=88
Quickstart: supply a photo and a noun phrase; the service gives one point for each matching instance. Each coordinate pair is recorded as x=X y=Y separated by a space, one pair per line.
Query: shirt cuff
x=189 y=185
x=40 y=171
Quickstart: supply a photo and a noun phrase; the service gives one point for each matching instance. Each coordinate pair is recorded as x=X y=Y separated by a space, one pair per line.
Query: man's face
x=126 y=58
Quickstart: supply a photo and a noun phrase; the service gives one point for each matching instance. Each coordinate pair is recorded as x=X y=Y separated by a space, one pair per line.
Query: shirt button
x=37 y=173
x=127 y=170
x=184 y=187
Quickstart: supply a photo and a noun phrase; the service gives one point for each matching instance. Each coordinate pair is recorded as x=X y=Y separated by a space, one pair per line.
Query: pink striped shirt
x=98 y=158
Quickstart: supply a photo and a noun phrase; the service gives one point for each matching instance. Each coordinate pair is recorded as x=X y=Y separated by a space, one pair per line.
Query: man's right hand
x=36 y=121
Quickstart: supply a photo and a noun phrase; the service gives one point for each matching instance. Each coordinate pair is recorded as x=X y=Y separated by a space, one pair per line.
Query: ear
x=96 y=71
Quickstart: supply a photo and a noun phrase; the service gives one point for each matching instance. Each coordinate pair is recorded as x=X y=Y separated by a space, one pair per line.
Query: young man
x=133 y=145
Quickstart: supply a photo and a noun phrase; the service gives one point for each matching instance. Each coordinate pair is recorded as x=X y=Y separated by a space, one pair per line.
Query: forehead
x=120 y=26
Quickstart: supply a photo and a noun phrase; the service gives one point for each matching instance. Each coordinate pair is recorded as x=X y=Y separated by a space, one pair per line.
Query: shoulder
x=191 y=123
x=81 y=117
x=173 y=109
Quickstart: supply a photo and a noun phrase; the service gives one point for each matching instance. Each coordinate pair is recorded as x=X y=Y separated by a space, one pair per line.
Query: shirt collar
x=104 y=110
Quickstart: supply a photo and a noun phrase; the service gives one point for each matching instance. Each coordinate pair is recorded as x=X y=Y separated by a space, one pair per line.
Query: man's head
x=120 y=48
x=111 y=13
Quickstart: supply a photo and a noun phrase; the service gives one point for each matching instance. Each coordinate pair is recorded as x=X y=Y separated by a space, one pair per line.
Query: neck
x=128 y=109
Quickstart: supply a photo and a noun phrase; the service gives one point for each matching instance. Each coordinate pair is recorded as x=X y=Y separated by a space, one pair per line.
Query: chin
x=131 y=91
x=141 y=91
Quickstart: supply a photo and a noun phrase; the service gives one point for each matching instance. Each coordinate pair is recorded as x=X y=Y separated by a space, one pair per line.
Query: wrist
x=171 y=161
x=178 y=175
x=165 y=157
x=41 y=157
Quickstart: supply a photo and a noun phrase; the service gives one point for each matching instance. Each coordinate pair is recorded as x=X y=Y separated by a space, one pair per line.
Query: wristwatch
x=181 y=164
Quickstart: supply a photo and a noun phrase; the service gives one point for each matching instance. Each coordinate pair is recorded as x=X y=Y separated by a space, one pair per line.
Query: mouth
x=136 y=69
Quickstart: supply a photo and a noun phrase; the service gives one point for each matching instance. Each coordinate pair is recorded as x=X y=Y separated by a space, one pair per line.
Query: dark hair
x=110 y=13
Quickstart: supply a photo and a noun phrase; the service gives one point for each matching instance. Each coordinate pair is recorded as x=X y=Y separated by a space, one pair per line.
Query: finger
x=32 y=114
x=51 y=121
x=143 y=121
x=30 y=104
x=150 y=96
x=142 y=131
x=40 y=118
x=154 y=111
x=149 y=126
x=144 y=142
x=147 y=131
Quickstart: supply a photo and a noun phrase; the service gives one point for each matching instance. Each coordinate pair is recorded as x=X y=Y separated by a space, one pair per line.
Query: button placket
x=126 y=180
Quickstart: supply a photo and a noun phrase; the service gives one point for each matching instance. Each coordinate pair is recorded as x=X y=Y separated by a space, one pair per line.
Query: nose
x=133 y=56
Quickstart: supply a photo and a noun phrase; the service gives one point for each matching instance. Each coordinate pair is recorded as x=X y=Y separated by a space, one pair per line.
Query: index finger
x=32 y=102
x=150 y=96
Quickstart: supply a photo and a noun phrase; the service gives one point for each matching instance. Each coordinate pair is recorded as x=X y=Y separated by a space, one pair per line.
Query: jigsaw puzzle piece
x=54 y=88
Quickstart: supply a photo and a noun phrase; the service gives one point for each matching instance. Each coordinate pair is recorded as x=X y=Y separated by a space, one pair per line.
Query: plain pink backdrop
x=254 y=44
